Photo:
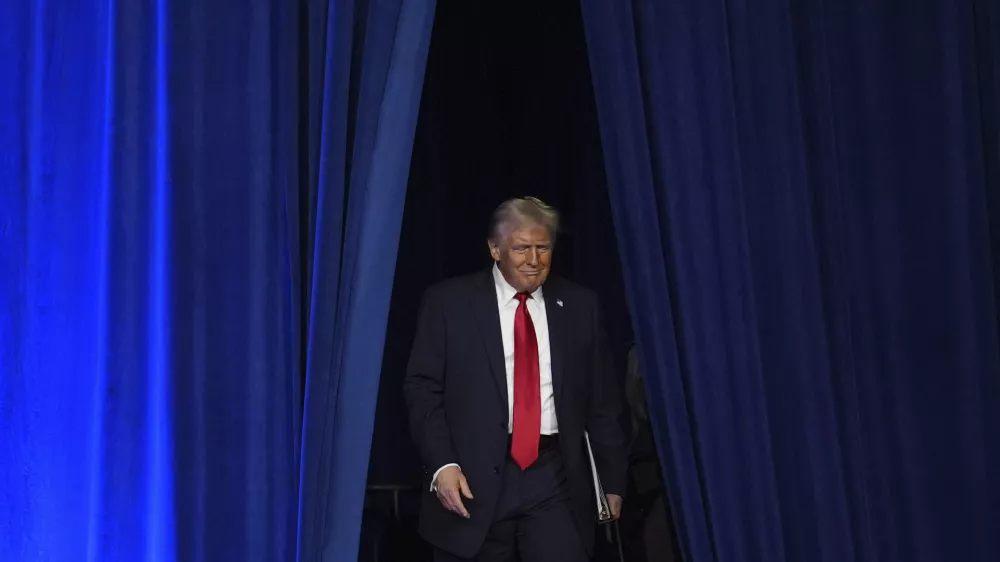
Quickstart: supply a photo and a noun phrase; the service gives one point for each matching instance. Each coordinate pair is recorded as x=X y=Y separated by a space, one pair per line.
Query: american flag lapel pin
x=558 y=302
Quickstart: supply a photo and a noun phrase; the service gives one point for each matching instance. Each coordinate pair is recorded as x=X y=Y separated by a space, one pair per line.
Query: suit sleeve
x=423 y=386
x=604 y=411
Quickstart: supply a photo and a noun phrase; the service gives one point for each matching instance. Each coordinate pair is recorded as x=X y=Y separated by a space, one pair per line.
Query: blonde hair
x=521 y=211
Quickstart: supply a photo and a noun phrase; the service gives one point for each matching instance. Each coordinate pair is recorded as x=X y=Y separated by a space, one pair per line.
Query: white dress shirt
x=507 y=305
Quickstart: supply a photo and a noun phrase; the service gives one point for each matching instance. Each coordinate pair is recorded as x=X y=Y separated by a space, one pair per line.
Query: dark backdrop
x=507 y=110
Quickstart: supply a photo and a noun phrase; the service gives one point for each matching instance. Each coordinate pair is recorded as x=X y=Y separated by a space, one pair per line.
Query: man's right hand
x=451 y=487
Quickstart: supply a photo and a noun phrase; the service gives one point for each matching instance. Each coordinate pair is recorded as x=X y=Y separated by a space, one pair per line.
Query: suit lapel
x=487 y=313
x=557 y=334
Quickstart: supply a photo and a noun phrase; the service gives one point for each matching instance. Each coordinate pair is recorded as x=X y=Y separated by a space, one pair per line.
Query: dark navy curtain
x=199 y=213
x=805 y=200
x=363 y=116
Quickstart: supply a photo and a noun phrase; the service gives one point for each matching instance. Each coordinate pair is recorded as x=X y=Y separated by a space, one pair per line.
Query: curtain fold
x=363 y=166
x=148 y=407
x=199 y=210
x=800 y=193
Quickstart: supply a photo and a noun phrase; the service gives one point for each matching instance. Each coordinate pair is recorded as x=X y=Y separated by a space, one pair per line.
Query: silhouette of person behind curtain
x=647 y=525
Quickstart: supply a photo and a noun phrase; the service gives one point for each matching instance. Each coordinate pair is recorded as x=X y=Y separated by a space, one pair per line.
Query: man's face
x=524 y=256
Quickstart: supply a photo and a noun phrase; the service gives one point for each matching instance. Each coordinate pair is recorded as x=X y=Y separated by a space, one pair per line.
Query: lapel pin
x=558 y=302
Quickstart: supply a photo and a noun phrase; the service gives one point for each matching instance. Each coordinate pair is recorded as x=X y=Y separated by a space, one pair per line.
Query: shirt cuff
x=434 y=481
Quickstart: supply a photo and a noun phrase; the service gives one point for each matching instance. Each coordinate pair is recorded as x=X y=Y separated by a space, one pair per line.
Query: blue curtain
x=366 y=111
x=805 y=197
x=199 y=210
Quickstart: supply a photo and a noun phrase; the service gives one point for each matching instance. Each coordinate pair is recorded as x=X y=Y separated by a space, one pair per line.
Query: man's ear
x=494 y=250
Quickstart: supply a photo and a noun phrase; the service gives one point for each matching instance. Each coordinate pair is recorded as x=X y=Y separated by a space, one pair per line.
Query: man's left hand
x=615 y=503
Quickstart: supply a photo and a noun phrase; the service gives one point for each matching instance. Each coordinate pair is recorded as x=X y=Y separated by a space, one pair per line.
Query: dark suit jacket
x=456 y=392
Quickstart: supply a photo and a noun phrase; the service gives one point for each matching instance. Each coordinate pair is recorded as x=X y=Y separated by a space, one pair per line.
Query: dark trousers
x=534 y=519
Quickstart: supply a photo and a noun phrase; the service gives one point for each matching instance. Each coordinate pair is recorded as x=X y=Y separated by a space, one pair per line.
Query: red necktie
x=527 y=388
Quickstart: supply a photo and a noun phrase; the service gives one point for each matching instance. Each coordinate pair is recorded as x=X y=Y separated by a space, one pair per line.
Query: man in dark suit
x=504 y=378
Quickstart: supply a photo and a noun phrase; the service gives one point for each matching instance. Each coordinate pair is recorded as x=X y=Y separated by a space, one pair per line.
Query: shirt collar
x=505 y=292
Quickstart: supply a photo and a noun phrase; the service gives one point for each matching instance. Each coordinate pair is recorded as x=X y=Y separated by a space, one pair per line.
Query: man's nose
x=532 y=256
